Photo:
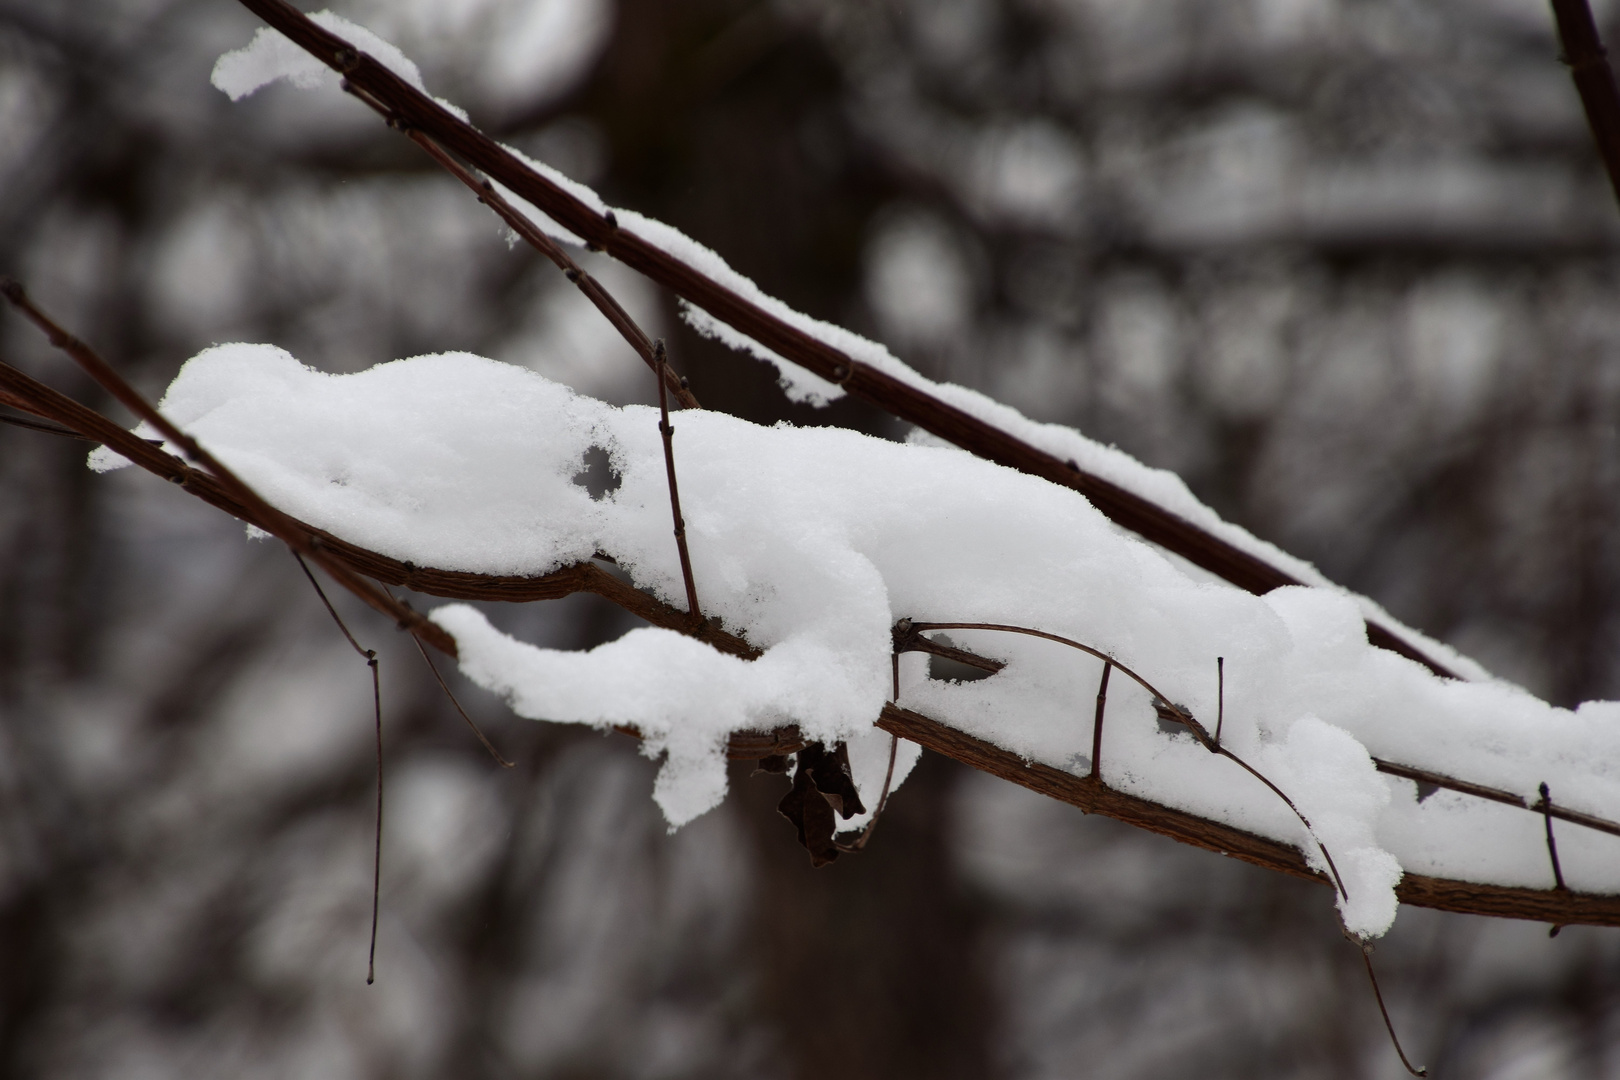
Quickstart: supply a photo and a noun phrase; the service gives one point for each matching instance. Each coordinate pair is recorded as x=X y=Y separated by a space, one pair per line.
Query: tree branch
x=1091 y=796
x=1594 y=80
x=416 y=111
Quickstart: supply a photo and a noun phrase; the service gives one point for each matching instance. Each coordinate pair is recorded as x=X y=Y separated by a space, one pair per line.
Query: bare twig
x=668 y=432
x=909 y=638
x=1420 y=890
x=476 y=730
x=376 y=855
x=1097 y=723
x=520 y=224
x=42 y=425
x=412 y=110
x=370 y=657
x=1185 y=718
x=1378 y=995
x=1552 y=845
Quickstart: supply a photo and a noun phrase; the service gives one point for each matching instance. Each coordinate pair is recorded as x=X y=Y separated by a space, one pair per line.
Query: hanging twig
x=370 y=657
x=1378 y=995
x=494 y=753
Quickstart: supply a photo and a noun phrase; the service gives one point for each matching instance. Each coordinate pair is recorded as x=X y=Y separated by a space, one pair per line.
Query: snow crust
x=272 y=56
x=811 y=542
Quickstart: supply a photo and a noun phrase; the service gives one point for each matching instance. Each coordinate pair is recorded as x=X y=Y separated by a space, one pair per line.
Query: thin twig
x=370 y=657
x=369 y=654
x=908 y=638
x=1552 y=845
x=494 y=753
x=1220 y=697
x=376 y=855
x=1366 y=958
x=1097 y=723
x=668 y=432
x=1182 y=715
x=42 y=425
x=860 y=842
x=519 y=223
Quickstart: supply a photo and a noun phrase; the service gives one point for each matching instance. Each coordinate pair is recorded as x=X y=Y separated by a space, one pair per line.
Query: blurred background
x=1349 y=266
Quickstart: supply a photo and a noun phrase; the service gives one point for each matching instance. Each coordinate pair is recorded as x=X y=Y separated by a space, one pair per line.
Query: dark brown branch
x=1594 y=80
x=1540 y=905
x=1466 y=787
x=413 y=110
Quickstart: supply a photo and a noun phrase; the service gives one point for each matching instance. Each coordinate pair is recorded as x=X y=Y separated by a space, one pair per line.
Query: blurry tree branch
x=1588 y=64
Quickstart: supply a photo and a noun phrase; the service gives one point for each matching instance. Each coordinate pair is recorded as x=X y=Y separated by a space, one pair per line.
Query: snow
x=812 y=542
x=271 y=56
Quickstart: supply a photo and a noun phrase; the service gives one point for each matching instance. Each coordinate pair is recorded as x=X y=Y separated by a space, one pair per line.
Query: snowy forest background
x=1349 y=266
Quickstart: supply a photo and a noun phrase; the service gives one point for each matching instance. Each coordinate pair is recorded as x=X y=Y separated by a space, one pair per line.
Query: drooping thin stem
x=366 y=654
x=668 y=432
x=1366 y=958
x=494 y=753
x=370 y=657
x=376 y=854
x=1220 y=697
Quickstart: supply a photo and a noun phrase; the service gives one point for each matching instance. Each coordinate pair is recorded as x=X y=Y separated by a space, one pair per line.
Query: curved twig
x=1179 y=713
